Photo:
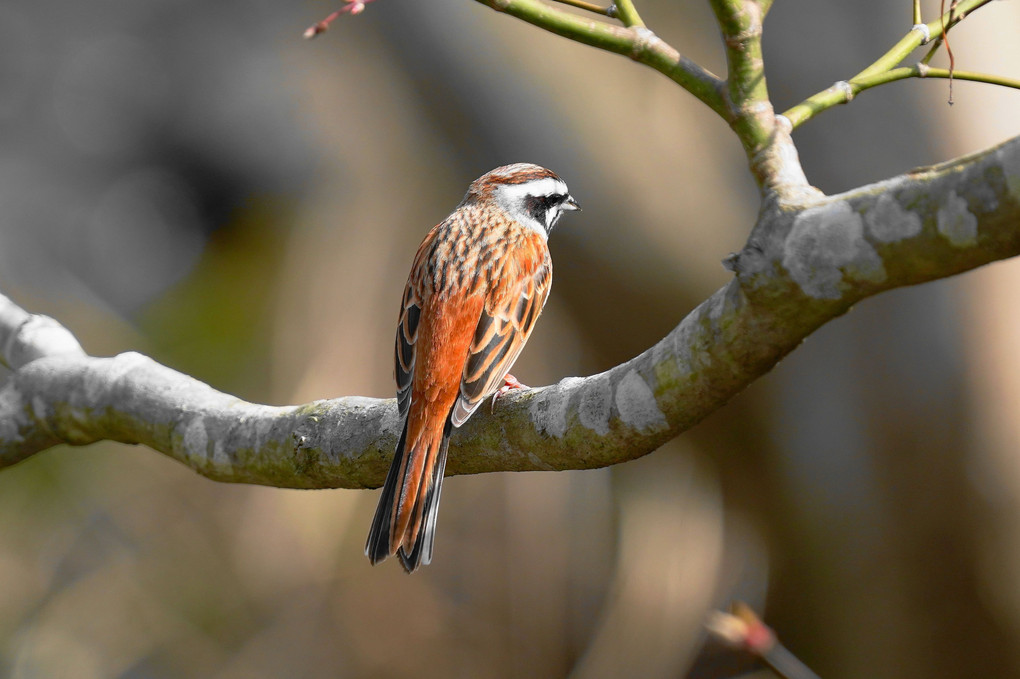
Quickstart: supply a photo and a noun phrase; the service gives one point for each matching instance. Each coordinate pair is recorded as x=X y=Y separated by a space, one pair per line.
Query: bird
x=478 y=283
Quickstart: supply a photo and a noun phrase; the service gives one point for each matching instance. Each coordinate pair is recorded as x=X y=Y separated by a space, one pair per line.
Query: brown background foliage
x=193 y=181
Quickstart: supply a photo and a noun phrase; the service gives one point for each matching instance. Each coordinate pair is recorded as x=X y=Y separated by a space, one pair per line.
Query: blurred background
x=194 y=181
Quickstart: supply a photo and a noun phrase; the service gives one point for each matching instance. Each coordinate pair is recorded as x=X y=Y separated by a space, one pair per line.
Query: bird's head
x=529 y=193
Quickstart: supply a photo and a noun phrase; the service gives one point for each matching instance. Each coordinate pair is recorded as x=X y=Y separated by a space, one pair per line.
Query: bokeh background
x=192 y=180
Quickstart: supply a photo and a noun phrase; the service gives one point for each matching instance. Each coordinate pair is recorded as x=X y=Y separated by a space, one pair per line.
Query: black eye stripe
x=544 y=208
x=538 y=204
x=550 y=200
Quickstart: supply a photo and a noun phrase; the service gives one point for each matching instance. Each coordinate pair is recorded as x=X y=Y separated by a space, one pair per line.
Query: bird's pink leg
x=510 y=382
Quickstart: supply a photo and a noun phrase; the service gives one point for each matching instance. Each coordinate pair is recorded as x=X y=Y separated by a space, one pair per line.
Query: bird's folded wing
x=407 y=335
x=502 y=331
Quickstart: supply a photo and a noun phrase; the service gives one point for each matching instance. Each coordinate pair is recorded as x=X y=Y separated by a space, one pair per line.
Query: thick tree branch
x=801 y=268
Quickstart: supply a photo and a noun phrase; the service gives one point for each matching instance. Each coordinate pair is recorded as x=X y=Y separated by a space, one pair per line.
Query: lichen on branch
x=803 y=266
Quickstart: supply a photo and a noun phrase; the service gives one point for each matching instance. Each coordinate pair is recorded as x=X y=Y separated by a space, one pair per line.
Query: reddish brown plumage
x=477 y=285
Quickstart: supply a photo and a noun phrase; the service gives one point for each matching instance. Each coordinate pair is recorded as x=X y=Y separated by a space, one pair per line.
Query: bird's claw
x=510 y=383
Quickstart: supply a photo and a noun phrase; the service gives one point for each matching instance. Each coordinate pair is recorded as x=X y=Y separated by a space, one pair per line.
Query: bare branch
x=25 y=337
x=935 y=30
x=741 y=24
x=609 y=11
x=352 y=7
x=628 y=14
x=801 y=268
x=773 y=157
x=638 y=43
x=846 y=90
x=921 y=71
x=742 y=630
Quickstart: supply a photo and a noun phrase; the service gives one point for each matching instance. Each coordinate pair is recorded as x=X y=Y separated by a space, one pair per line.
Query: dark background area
x=194 y=181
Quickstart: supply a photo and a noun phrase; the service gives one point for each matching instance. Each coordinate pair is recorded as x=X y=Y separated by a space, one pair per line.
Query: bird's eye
x=545 y=209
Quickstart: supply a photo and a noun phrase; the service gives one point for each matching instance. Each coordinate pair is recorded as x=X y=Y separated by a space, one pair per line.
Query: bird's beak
x=571 y=204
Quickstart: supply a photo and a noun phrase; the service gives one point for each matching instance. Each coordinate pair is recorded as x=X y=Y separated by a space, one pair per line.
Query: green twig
x=590 y=7
x=917 y=12
x=840 y=93
x=770 y=150
x=843 y=92
x=628 y=14
x=741 y=24
x=924 y=71
x=926 y=59
x=913 y=38
x=638 y=43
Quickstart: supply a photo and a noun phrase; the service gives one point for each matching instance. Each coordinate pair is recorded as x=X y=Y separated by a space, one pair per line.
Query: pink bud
x=313 y=31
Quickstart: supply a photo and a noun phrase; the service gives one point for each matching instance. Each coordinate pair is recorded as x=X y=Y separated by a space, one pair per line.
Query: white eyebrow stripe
x=538 y=187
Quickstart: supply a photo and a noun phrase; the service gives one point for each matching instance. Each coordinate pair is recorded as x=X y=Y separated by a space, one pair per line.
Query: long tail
x=405 y=519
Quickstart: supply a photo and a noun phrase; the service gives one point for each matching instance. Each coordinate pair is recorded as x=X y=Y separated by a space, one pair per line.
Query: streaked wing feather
x=404 y=353
x=500 y=336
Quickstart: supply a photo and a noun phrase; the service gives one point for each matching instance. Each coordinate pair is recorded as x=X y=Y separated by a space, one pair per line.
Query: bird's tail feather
x=421 y=549
x=410 y=501
x=377 y=547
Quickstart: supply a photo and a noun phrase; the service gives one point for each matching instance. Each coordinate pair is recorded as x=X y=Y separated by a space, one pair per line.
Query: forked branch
x=885 y=68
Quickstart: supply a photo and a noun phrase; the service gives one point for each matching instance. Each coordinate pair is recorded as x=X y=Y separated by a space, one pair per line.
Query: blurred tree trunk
x=877 y=516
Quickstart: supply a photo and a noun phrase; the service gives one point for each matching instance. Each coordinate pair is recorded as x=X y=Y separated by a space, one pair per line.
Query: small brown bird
x=477 y=285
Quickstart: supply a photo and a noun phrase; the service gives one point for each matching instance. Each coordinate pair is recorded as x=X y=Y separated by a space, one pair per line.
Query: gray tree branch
x=803 y=265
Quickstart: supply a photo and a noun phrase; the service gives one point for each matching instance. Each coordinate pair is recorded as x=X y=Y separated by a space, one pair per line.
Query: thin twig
x=945 y=37
x=638 y=43
x=590 y=7
x=352 y=7
x=925 y=71
x=743 y=630
x=926 y=59
x=628 y=14
x=847 y=90
x=820 y=101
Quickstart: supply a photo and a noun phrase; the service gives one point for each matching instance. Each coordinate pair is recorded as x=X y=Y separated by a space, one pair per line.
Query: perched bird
x=477 y=285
